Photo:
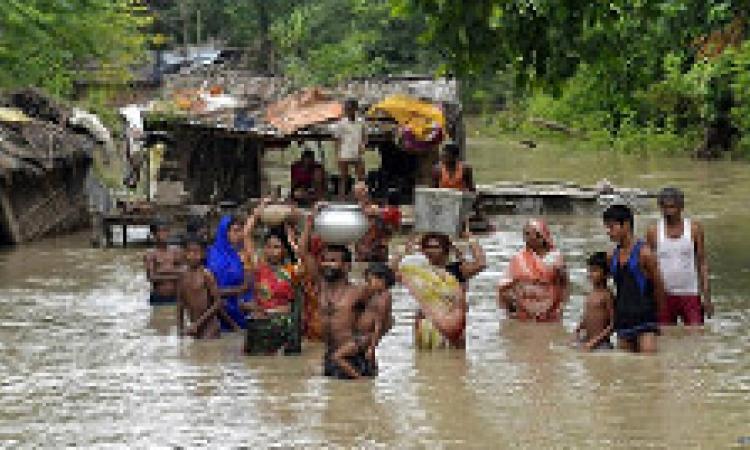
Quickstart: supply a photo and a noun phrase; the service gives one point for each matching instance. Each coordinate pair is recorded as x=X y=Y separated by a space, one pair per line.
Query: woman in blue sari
x=224 y=262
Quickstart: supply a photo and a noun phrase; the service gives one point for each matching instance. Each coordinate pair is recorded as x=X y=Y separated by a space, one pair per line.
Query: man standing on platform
x=351 y=141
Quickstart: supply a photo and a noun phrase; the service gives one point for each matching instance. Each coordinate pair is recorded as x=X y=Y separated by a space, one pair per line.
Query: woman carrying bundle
x=439 y=286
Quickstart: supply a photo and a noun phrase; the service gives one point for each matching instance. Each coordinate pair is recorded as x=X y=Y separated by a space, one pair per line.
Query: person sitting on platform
x=308 y=179
x=162 y=265
x=451 y=172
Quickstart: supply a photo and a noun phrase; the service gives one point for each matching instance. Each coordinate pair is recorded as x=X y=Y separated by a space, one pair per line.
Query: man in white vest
x=679 y=246
x=351 y=140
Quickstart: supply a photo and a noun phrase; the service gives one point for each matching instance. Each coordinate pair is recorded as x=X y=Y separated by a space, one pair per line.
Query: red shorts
x=687 y=307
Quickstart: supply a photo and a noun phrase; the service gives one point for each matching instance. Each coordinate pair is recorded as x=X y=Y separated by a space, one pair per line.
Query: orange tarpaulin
x=301 y=109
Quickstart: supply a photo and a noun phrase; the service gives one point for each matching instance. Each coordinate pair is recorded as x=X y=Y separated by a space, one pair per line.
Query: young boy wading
x=162 y=266
x=635 y=270
x=678 y=244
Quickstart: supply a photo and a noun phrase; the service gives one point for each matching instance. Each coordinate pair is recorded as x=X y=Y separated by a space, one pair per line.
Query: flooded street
x=84 y=360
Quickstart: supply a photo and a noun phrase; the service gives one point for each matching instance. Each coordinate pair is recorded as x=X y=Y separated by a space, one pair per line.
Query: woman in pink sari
x=535 y=286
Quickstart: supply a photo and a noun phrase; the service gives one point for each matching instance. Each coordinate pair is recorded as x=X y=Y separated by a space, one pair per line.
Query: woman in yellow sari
x=439 y=286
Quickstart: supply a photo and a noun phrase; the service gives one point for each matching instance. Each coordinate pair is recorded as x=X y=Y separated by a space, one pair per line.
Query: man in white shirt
x=351 y=140
x=679 y=246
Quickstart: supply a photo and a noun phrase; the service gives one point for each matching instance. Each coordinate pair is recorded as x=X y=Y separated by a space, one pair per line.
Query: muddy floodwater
x=85 y=361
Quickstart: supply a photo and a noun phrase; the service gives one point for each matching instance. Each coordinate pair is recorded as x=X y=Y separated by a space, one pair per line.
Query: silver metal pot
x=341 y=223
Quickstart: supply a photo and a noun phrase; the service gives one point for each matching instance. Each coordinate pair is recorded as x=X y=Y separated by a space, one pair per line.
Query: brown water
x=85 y=361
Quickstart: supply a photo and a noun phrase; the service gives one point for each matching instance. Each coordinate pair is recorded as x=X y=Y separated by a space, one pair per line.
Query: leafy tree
x=47 y=43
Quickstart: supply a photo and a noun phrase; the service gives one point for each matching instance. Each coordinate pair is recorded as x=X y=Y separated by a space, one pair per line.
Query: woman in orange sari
x=535 y=286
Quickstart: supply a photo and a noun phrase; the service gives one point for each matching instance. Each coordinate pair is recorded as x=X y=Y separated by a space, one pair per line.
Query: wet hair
x=343 y=250
x=382 y=271
x=672 y=193
x=192 y=238
x=620 y=214
x=235 y=220
x=158 y=223
x=351 y=103
x=452 y=149
x=599 y=260
x=279 y=233
x=194 y=224
x=443 y=240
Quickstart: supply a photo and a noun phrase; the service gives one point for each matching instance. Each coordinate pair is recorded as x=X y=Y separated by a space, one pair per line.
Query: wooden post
x=6 y=208
x=107 y=233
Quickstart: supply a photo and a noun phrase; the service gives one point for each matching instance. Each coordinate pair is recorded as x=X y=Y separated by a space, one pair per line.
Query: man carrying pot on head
x=340 y=301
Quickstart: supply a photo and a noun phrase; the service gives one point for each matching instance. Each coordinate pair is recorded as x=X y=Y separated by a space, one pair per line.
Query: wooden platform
x=556 y=197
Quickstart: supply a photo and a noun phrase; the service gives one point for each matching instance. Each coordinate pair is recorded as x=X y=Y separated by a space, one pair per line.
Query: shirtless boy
x=338 y=299
x=162 y=266
x=198 y=294
x=375 y=318
x=598 y=312
x=640 y=292
x=679 y=247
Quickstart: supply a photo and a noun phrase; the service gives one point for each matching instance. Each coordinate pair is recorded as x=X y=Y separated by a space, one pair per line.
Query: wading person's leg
x=647 y=343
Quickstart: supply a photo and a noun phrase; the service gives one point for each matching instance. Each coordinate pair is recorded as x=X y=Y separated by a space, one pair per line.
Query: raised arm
x=702 y=262
x=217 y=305
x=651 y=239
x=308 y=262
x=469 y=269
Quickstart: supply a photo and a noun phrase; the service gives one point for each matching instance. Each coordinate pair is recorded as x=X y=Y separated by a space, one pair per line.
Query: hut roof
x=35 y=136
x=269 y=108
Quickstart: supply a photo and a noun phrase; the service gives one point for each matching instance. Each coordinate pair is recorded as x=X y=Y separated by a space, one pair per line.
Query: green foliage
x=46 y=43
x=628 y=67
x=326 y=41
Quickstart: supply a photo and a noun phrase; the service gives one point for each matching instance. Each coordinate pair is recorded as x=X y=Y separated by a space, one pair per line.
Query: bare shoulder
x=208 y=275
x=647 y=254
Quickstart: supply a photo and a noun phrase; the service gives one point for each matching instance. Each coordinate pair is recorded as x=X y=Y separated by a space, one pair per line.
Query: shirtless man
x=598 y=319
x=679 y=247
x=162 y=266
x=198 y=294
x=339 y=299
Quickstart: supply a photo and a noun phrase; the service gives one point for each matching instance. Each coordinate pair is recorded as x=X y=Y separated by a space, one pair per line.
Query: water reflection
x=85 y=361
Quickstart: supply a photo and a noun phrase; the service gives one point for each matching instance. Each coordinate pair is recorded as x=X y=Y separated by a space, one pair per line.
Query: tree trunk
x=264 y=25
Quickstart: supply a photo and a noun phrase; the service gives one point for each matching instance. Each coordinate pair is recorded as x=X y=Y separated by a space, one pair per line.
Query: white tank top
x=677 y=261
x=350 y=134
